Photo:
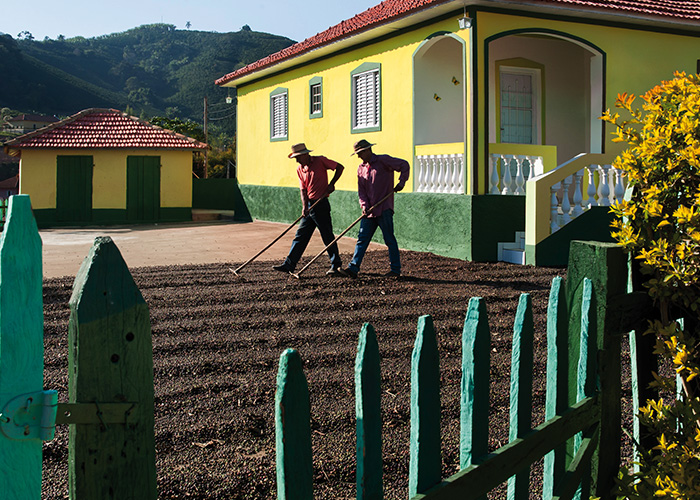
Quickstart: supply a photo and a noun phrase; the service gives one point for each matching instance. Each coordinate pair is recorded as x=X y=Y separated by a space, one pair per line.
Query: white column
x=565 y=202
x=578 y=195
x=603 y=186
x=493 y=180
x=554 y=209
x=519 y=177
x=506 y=178
x=591 y=190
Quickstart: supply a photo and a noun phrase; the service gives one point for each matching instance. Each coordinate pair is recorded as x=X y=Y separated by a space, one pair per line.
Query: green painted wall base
x=459 y=226
x=592 y=225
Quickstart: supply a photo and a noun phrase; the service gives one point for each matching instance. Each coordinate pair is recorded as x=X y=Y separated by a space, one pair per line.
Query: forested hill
x=153 y=69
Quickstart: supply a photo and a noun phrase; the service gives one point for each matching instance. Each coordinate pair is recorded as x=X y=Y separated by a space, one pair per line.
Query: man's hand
x=330 y=189
x=305 y=212
x=398 y=187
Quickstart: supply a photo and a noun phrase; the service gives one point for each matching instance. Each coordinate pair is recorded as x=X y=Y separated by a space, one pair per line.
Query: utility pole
x=206 y=136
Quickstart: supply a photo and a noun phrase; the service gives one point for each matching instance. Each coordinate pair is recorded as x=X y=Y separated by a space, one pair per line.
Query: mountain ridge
x=150 y=70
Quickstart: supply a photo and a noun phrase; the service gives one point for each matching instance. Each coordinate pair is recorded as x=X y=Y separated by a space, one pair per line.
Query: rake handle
x=235 y=271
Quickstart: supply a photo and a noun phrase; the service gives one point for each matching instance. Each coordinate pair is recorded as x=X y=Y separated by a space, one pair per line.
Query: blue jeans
x=368 y=226
x=319 y=217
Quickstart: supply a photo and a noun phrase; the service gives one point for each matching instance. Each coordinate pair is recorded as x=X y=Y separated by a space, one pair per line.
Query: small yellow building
x=102 y=166
x=495 y=104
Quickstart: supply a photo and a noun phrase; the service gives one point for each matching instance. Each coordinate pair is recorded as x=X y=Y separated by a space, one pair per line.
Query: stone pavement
x=174 y=244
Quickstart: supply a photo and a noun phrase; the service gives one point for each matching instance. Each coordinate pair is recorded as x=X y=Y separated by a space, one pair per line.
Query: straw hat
x=299 y=149
x=361 y=145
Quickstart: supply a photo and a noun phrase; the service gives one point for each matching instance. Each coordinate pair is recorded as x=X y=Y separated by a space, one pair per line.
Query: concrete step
x=201 y=214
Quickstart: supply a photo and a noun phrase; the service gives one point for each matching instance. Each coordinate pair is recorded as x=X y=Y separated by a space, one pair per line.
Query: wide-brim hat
x=299 y=149
x=361 y=145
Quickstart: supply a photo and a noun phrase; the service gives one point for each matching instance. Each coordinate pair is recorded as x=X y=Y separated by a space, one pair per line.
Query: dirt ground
x=216 y=346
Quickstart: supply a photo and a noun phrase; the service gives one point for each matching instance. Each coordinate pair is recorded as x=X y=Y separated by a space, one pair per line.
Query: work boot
x=282 y=268
x=333 y=271
x=348 y=272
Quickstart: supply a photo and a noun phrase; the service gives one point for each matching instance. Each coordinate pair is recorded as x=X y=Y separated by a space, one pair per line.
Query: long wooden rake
x=296 y=275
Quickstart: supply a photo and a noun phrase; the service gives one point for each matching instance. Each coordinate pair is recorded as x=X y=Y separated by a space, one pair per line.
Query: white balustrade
x=567 y=203
x=509 y=173
x=440 y=173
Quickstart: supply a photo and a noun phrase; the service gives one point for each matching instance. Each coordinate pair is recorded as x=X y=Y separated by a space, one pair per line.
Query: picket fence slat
x=476 y=368
x=521 y=389
x=425 y=462
x=110 y=360
x=21 y=344
x=292 y=430
x=556 y=398
x=368 y=414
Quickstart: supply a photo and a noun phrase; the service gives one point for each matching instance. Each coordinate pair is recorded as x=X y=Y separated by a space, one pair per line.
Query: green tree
x=660 y=227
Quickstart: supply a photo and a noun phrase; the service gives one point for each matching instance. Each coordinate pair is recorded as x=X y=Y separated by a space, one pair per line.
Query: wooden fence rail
x=569 y=440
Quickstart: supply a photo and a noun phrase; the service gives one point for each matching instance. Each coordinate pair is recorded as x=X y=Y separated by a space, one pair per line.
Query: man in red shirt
x=314 y=186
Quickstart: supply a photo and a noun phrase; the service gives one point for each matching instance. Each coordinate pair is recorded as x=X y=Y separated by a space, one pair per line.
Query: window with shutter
x=366 y=98
x=278 y=115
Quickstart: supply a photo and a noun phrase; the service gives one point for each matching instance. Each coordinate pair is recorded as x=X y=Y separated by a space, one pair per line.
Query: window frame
x=366 y=68
x=274 y=95
x=315 y=82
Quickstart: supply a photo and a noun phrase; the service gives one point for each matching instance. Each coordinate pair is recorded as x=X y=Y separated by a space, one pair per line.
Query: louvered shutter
x=279 y=115
x=366 y=112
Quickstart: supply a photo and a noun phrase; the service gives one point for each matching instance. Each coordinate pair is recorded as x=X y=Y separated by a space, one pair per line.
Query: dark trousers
x=319 y=217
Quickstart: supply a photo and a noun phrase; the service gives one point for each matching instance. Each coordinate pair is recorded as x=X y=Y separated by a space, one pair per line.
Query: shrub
x=659 y=225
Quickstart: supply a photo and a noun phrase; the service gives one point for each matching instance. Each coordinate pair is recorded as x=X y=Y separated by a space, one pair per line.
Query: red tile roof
x=392 y=10
x=105 y=129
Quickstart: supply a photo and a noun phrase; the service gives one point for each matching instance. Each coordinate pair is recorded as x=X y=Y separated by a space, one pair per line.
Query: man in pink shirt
x=314 y=187
x=375 y=180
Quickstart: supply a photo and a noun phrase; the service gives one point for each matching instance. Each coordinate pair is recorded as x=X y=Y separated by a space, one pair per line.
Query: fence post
x=110 y=360
x=21 y=346
x=606 y=265
x=293 y=430
x=425 y=463
x=368 y=414
x=521 y=389
x=476 y=366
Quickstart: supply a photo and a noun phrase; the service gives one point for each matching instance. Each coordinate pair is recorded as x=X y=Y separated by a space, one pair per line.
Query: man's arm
x=403 y=167
x=338 y=172
x=304 y=202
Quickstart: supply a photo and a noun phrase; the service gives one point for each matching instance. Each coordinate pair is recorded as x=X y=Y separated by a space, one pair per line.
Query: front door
x=519 y=107
x=74 y=189
x=143 y=188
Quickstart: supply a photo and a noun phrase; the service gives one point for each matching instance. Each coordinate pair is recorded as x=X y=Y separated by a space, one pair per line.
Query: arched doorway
x=546 y=88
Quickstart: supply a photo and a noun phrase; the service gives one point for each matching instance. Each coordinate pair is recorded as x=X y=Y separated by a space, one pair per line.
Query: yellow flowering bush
x=660 y=226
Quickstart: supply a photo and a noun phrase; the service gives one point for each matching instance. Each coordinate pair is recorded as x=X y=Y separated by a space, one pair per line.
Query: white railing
x=509 y=173
x=440 y=173
x=567 y=200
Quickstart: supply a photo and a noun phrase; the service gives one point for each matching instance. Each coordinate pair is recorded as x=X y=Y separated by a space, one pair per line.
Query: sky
x=91 y=18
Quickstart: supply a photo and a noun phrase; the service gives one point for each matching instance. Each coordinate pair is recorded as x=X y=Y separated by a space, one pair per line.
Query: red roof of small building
x=104 y=129
x=392 y=10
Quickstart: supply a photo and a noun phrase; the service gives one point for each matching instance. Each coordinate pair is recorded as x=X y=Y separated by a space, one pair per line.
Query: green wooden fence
x=110 y=396
x=584 y=326
x=110 y=380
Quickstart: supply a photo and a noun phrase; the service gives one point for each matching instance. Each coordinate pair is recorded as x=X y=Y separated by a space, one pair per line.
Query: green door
x=74 y=189
x=143 y=188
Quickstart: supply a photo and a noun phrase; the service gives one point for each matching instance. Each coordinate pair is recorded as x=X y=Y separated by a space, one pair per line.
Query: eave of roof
x=98 y=128
x=393 y=15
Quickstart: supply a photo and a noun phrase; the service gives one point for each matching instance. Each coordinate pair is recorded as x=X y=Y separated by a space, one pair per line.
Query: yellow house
x=102 y=166
x=495 y=104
